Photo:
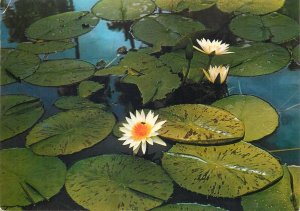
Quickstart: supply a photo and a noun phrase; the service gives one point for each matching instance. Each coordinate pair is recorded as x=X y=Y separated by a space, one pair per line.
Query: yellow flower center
x=141 y=131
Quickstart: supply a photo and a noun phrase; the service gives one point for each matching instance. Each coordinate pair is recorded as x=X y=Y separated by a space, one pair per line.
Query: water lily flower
x=215 y=47
x=215 y=71
x=140 y=130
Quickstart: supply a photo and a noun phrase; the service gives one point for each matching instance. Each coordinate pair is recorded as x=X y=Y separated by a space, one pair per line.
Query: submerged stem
x=187 y=71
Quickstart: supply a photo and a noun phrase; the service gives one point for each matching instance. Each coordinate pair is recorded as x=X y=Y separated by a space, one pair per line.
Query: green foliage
x=295 y=173
x=296 y=53
x=61 y=72
x=87 y=88
x=199 y=124
x=27 y=178
x=70 y=131
x=62 y=26
x=222 y=171
x=118 y=182
x=123 y=10
x=76 y=102
x=18 y=113
x=180 y=5
x=187 y=207
x=260 y=118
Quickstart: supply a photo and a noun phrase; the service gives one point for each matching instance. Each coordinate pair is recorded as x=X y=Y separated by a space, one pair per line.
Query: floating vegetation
x=180 y=5
x=87 y=88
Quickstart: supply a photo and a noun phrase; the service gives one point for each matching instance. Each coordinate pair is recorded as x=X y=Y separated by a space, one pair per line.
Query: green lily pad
x=295 y=172
x=199 y=124
x=62 y=26
x=46 y=47
x=70 y=131
x=118 y=182
x=291 y=9
x=12 y=208
x=27 y=178
x=17 y=65
x=187 y=207
x=180 y=5
x=277 y=197
x=257 y=7
x=259 y=117
x=87 y=88
x=255 y=59
x=61 y=72
x=275 y=27
x=76 y=102
x=120 y=10
x=134 y=63
x=18 y=113
x=156 y=84
x=222 y=171
x=296 y=53
x=165 y=29
x=116 y=129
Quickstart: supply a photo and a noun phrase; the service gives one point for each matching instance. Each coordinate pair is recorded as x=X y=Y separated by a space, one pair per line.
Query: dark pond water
x=280 y=89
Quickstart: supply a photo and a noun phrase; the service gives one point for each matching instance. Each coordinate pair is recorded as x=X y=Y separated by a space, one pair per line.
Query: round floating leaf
x=275 y=27
x=76 y=102
x=296 y=53
x=62 y=26
x=18 y=113
x=259 y=117
x=156 y=84
x=120 y=10
x=199 y=124
x=180 y=5
x=187 y=207
x=27 y=178
x=291 y=9
x=256 y=59
x=165 y=29
x=17 y=65
x=277 y=197
x=221 y=171
x=70 y=131
x=295 y=172
x=257 y=7
x=61 y=72
x=118 y=182
x=46 y=47
x=87 y=88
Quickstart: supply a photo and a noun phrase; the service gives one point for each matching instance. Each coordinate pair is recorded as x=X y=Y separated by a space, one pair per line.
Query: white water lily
x=214 y=47
x=140 y=130
x=214 y=71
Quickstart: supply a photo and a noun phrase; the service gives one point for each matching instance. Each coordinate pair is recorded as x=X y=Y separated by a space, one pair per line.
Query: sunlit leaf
x=295 y=172
x=199 y=124
x=180 y=5
x=222 y=171
x=187 y=207
x=18 y=113
x=87 y=88
x=70 y=131
x=118 y=182
x=76 y=102
x=27 y=178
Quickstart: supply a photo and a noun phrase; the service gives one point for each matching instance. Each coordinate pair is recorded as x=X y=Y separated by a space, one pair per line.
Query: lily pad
x=62 y=26
x=180 y=5
x=277 y=197
x=87 y=88
x=165 y=29
x=275 y=27
x=70 y=131
x=156 y=84
x=61 y=72
x=76 y=102
x=259 y=117
x=291 y=9
x=187 y=207
x=199 y=124
x=221 y=171
x=257 y=7
x=134 y=63
x=296 y=53
x=107 y=181
x=46 y=47
x=16 y=65
x=123 y=10
x=27 y=178
x=295 y=172
x=18 y=113
x=255 y=59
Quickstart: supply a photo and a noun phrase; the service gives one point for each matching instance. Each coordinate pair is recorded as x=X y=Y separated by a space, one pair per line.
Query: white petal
x=127 y=126
x=150 y=141
x=137 y=145
x=144 y=145
x=124 y=130
x=123 y=138
x=128 y=141
x=158 y=125
x=157 y=140
x=149 y=117
x=136 y=150
x=143 y=117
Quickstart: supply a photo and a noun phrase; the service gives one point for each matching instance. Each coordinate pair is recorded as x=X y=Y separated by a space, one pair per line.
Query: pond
x=72 y=71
